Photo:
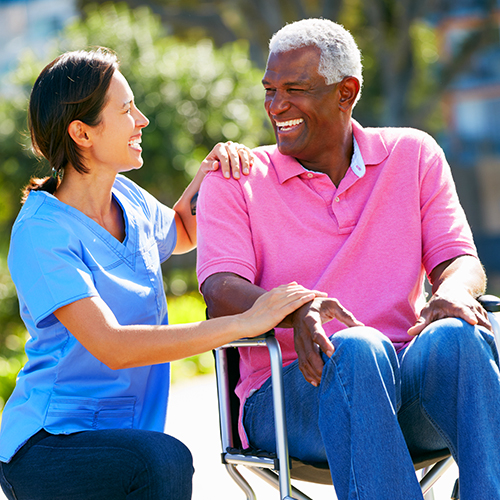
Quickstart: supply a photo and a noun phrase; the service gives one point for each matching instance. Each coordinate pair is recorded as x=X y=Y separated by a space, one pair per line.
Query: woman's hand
x=272 y=307
x=231 y=157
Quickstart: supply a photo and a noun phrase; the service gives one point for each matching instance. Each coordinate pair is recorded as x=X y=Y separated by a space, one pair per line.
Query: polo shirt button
x=337 y=199
x=310 y=175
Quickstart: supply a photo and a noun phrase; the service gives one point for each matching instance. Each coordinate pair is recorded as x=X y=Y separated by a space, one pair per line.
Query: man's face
x=302 y=108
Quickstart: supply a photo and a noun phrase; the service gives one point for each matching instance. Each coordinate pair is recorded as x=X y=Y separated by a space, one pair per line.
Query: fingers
x=417 y=328
x=233 y=158
x=272 y=307
x=309 y=358
x=332 y=308
x=471 y=312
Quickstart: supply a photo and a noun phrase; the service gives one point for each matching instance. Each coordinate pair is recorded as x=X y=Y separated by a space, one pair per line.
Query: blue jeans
x=103 y=464
x=373 y=406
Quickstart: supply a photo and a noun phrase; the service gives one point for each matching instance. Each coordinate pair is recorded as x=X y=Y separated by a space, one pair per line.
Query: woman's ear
x=77 y=130
x=349 y=89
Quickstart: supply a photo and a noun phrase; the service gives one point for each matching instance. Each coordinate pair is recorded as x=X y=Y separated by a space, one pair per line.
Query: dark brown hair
x=72 y=87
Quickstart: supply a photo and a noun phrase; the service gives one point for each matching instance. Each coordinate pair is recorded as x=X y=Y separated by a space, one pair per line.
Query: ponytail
x=48 y=184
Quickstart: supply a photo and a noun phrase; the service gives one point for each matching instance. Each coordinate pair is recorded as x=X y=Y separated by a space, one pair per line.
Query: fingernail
x=227 y=175
x=246 y=171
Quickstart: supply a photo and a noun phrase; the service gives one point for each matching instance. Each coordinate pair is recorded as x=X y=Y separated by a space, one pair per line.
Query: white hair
x=340 y=55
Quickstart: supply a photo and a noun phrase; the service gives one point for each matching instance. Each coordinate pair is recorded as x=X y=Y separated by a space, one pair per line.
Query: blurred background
x=195 y=67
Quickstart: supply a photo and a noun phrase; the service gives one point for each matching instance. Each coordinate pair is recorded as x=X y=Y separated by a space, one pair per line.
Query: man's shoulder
x=392 y=135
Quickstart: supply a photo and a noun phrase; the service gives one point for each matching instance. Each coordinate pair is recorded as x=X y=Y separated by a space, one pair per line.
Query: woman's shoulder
x=42 y=221
x=40 y=208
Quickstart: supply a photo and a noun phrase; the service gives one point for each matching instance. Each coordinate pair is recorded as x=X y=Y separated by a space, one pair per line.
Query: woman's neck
x=91 y=194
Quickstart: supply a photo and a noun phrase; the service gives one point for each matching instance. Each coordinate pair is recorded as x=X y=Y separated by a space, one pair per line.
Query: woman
x=85 y=420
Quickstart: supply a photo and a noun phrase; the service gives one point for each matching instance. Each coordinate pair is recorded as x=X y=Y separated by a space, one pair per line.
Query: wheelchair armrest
x=260 y=340
x=491 y=303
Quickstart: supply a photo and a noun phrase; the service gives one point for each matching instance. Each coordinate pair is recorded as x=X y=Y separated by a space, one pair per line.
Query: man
x=361 y=214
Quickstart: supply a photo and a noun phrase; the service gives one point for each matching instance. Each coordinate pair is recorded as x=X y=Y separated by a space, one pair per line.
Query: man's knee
x=361 y=353
x=362 y=342
x=454 y=338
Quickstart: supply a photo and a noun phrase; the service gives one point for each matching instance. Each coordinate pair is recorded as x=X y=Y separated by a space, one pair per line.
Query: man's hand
x=455 y=283
x=451 y=304
x=310 y=337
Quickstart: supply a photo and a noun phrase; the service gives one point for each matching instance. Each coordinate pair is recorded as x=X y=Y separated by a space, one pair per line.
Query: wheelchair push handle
x=491 y=303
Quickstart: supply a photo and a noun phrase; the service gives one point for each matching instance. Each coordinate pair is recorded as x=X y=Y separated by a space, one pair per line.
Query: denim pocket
x=72 y=414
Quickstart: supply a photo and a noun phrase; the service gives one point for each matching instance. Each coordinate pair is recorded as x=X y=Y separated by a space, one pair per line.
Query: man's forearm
x=228 y=294
x=464 y=271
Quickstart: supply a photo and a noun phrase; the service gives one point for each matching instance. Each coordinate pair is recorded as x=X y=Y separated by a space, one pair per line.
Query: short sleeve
x=47 y=269
x=224 y=232
x=446 y=233
x=165 y=231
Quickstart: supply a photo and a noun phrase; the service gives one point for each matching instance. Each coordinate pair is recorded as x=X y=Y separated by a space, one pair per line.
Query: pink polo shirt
x=367 y=242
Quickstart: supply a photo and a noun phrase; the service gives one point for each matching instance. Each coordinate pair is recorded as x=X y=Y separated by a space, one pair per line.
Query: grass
x=189 y=308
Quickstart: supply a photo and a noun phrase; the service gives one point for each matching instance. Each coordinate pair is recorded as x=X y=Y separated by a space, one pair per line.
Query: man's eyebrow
x=299 y=83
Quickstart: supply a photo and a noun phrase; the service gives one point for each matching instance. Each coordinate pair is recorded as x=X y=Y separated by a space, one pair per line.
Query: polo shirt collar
x=369 y=150
x=371 y=144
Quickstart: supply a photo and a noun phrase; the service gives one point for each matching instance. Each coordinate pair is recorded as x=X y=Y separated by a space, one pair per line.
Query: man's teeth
x=289 y=123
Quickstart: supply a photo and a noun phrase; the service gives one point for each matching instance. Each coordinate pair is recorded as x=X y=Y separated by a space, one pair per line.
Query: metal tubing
x=223 y=392
x=271 y=478
x=241 y=482
x=279 y=415
x=434 y=474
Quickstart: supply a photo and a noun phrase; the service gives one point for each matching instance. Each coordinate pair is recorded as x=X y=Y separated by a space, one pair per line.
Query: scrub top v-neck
x=59 y=255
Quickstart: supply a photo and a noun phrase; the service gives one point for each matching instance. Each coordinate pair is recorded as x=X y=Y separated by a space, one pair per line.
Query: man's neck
x=334 y=162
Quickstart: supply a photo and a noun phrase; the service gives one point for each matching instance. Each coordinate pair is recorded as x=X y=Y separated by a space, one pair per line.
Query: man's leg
x=112 y=464
x=359 y=400
x=451 y=397
x=350 y=420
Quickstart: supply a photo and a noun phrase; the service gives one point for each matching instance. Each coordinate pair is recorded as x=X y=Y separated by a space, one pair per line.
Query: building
x=472 y=107
x=29 y=24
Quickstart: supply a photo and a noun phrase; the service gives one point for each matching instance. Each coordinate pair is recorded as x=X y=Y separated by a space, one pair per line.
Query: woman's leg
x=451 y=398
x=103 y=464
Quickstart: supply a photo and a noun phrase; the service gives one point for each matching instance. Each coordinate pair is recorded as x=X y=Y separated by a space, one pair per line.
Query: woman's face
x=116 y=141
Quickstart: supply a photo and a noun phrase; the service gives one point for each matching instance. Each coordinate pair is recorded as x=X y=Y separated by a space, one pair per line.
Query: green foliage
x=194 y=96
x=13 y=335
x=187 y=309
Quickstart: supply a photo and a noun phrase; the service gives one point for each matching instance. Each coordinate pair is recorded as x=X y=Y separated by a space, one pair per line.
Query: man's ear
x=77 y=130
x=349 y=89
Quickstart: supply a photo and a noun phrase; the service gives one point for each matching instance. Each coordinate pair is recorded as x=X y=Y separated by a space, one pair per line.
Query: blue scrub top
x=57 y=256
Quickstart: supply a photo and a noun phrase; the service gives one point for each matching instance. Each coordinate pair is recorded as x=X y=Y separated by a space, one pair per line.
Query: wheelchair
x=277 y=469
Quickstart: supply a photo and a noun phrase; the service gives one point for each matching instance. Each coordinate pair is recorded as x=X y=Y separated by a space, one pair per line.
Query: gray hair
x=340 y=55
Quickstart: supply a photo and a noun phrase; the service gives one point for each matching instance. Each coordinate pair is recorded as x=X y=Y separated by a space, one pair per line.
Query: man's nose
x=278 y=103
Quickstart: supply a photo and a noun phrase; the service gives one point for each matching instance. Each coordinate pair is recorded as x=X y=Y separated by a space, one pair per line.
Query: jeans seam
x=7 y=483
x=346 y=396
